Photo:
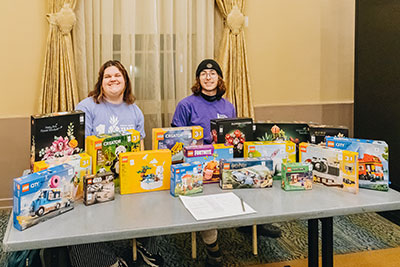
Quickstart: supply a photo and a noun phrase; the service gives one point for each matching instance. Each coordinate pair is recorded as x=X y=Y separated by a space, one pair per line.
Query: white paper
x=215 y=206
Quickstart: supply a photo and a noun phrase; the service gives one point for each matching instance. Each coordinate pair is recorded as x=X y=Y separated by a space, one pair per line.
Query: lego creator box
x=232 y=132
x=82 y=164
x=176 y=138
x=332 y=167
x=246 y=173
x=209 y=156
x=296 y=176
x=98 y=188
x=42 y=195
x=186 y=179
x=373 y=160
x=277 y=151
x=145 y=171
x=318 y=132
x=56 y=135
x=106 y=148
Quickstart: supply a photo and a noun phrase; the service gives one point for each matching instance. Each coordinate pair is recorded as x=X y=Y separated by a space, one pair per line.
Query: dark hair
x=221 y=88
x=97 y=92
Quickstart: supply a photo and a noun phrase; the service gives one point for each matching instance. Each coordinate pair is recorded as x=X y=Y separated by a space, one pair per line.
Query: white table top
x=158 y=213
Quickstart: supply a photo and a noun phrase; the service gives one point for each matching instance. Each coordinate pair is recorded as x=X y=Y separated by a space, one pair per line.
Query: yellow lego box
x=82 y=164
x=145 y=171
x=278 y=151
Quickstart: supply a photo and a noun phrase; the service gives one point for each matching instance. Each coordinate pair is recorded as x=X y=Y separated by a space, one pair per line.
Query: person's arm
x=141 y=145
x=181 y=116
x=140 y=125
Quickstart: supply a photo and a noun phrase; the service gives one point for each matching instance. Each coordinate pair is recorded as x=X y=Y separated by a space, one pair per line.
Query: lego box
x=42 y=195
x=232 y=132
x=373 y=160
x=82 y=164
x=296 y=176
x=277 y=151
x=56 y=135
x=145 y=171
x=186 y=179
x=209 y=156
x=319 y=132
x=332 y=167
x=176 y=138
x=98 y=188
x=246 y=173
x=106 y=148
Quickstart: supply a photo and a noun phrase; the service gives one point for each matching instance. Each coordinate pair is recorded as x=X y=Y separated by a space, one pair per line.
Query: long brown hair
x=221 y=88
x=97 y=92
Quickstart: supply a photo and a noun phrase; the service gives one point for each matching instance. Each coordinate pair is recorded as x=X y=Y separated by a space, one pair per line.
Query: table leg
x=327 y=242
x=194 y=245
x=313 y=243
x=255 y=247
x=134 y=249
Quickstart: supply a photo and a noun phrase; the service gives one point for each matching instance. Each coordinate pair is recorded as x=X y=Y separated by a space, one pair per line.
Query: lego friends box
x=296 y=176
x=186 y=178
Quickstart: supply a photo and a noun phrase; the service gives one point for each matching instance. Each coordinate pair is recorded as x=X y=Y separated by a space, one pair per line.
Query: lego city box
x=209 y=156
x=82 y=164
x=145 y=171
x=277 y=151
x=318 y=132
x=186 y=178
x=232 y=132
x=98 y=188
x=42 y=195
x=56 y=135
x=296 y=176
x=331 y=166
x=106 y=148
x=246 y=173
x=373 y=160
x=175 y=138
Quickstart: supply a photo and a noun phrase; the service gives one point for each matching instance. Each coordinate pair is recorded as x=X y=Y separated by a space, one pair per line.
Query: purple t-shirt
x=106 y=117
x=195 y=110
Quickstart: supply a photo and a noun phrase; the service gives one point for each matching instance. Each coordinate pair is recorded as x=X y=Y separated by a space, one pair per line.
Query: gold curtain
x=59 y=91
x=233 y=57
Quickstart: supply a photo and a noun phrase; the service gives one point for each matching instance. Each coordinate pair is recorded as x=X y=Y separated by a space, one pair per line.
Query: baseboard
x=6 y=203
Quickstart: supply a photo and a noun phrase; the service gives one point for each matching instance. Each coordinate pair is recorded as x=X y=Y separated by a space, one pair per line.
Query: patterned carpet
x=352 y=233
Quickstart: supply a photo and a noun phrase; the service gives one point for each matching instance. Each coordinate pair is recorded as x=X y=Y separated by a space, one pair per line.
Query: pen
x=241 y=201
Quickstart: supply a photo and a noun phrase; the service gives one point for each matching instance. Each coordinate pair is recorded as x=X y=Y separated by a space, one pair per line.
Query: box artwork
x=296 y=176
x=106 y=148
x=56 y=135
x=232 y=132
x=82 y=164
x=145 y=171
x=277 y=151
x=246 y=173
x=209 y=156
x=176 y=138
x=42 y=195
x=373 y=160
x=186 y=179
x=98 y=188
x=318 y=132
x=332 y=167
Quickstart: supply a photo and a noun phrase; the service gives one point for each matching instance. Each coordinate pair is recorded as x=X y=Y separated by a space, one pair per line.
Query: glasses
x=212 y=74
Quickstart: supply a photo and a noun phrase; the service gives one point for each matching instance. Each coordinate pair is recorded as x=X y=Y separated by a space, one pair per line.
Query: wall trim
x=306 y=104
x=6 y=203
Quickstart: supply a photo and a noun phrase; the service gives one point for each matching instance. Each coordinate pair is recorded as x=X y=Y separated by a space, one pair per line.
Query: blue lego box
x=186 y=178
x=42 y=195
x=373 y=160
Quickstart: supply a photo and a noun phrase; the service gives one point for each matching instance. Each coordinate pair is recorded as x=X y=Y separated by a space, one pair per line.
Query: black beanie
x=208 y=64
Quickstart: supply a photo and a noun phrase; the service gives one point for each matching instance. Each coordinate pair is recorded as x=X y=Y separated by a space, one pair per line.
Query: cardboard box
x=373 y=160
x=186 y=179
x=145 y=171
x=296 y=176
x=318 y=132
x=98 y=188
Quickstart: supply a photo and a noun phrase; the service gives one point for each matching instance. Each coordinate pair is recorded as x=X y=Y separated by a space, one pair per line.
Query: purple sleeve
x=181 y=116
x=140 y=123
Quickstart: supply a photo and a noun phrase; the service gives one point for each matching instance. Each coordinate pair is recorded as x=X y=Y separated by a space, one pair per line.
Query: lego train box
x=232 y=132
x=98 y=188
x=331 y=166
x=186 y=178
x=42 y=195
x=56 y=135
x=296 y=176
x=175 y=138
x=319 y=132
x=373 y=160
x=246 y=173
x=277 y=151
x=145 y=171
x=209 y=156
x=82 y=164
x=106 y=148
